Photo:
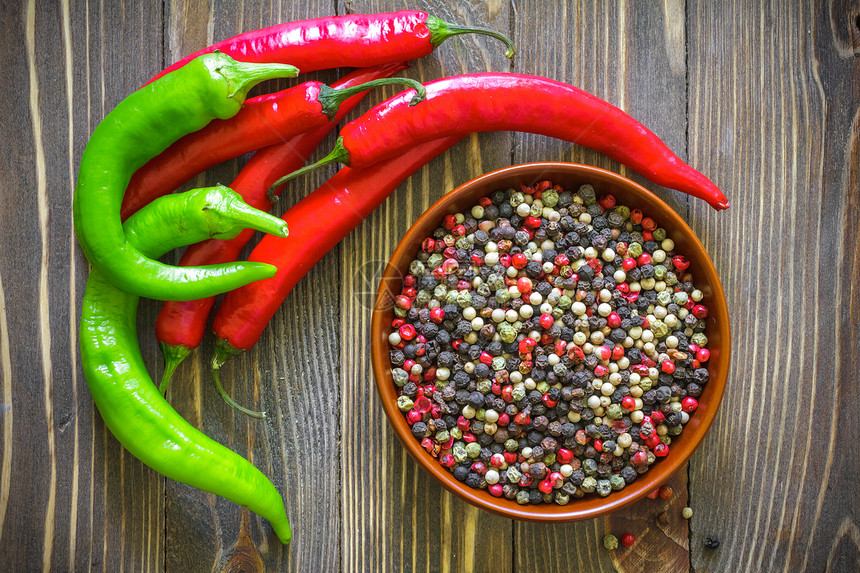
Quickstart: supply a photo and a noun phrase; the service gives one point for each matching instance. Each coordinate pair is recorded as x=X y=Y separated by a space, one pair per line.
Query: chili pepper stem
x=331 y=98
x=223 y=352
x=173 y=354
x=242 y=76
x=440 y=30
x=338 y=155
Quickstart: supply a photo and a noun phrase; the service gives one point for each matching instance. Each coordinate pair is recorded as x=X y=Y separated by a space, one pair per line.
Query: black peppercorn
x=712 y=542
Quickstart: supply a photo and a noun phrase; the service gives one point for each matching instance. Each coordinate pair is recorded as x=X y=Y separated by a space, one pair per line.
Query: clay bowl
x=570 y=176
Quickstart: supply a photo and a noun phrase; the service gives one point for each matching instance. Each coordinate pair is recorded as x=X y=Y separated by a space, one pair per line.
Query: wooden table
x=763 y=97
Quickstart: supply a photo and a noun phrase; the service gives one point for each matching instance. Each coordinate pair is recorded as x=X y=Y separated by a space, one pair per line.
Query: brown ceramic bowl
x=571 y=176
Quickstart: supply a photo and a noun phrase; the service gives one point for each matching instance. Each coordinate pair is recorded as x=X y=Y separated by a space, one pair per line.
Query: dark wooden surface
x=763 y=97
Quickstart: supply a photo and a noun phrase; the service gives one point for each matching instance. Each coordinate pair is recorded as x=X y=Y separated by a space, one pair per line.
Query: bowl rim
x=594 y=506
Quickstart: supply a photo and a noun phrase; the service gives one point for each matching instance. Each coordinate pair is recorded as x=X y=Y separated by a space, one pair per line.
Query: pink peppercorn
x=661 y=450
x=524 y=285
x=628 y=403
x=627 y=540
x=504 y=418
x=628 y=264
x=412 y=416
x=700 y=311
x=680 y=262
x=667 y=366
x=689 y=404
x=545 y=486
x=497 y=460
x=643 y=259
x=437 y=315
x=546 y=320
x=496 y=490
x=703 y=354
x=563 y=456
x=613 y=320
x=640 y=458
x=447 y=460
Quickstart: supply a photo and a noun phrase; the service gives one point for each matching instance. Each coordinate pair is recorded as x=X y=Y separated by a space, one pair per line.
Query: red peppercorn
x=703 y=354
x=449 y=222
x=496 y=388
x=532 y=222
x=618 y=353
x=497 y=460
x=422 y=405
x=496 y=490
x=628 y=403
x=510 y=457
x=479 y=468
x=598 y=445
x=563 y=456
x=549 y=402
x=636 y=216
x=485 y=201
x=613 y=320
x=623 y=288
x=689 y=404
x=627 y=540
x=447 y=460
x=666 y=492
x=522 y=418
x=640 y=458
x=657 y=417
x=562 y=260
x=504 y=419
x=649 y=224
x=408 y=364
x=600 y=370
x=654 y=494
x=477 y=260
x=428 y=245
x=595 y=265
x=576 y=354
x=545 y=486
x=667 y=366
x=527 y=344
x=437 y=315
x=397 y=323
x=661 y=450
x=647 y=236
x=652 y=440
x=524 y=285
x=412 y=416
x=643 y=259
x=647 y=362
x=700 y=311
x=469 y=437
x=519 y=261
x=403 y=301
x=556 y=479
x=525 y=480
x=680 y=262
x=505 y=260
x=507 y=394
x=631 y=298
x=428 y=444
x=603 y=352
x=607 y=201
x=628 y=264
x=560 y=347
x=546 y=320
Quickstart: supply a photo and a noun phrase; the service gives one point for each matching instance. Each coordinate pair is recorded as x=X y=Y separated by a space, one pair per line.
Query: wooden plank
x=774 y=477
x=70 y=498
x=632 y=55
x=394 y=517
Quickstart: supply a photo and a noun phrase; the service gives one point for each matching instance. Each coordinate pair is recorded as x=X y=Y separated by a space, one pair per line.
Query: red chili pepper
x=352 y=40
x=181 y=325
x=263 y=121
x=464 y=104
x=346 y=199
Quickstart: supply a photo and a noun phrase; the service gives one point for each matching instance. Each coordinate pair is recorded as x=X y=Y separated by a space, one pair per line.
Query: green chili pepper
x=139 y=128
x=129 y=402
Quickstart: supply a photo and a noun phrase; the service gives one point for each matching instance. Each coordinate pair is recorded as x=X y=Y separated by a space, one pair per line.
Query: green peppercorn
x=399 y=312
x=405 y=403
x=498 y=363
x=451 y=297
x=423 y=297
x=439 y=292
x=699 y=339
x=416 y=268
x=614 y=412
x=610 y=542
x=473 y=449
x=589 y=484
x=659 y=234
x=623 y=210
x=659 y=329
x=687 y=512
x=464 y=299
x=459 y=452
x=519 y=392
x=463 y=243
x=542 y=387
x=664 y=297
x=503 y=296
x=435 y=260
x=617 y=482
x=401 y=377
x=587 y=194
x=507 y=332
x=443 y=436
x=564 y=302
x=561 y=498
x=645 y=384
x=516 y=199
x=604 y=488
x=513 y=474
x=483 y=386
x=511 y=445
x=549 y=458
x=660 y=272
x=456 y=432
x=523 y=497
x=671 y=279
x=634 y=250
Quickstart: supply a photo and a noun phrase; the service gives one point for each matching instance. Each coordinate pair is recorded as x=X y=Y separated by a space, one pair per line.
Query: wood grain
x=763 y=97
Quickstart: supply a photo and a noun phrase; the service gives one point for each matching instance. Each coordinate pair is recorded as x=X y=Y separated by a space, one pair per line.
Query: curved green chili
x=128 y=400
x=136 y=130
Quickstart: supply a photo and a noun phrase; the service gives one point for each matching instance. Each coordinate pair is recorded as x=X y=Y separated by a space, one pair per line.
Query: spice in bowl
x=548 y=344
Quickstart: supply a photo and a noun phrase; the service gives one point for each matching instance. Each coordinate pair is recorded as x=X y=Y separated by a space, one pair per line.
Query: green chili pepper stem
x=140 y=127
x=331 y=98
x=440 y=30
x=173 y=357
x=339 y=154
x=242 y=76
x=129 y=402
x=224 y=351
